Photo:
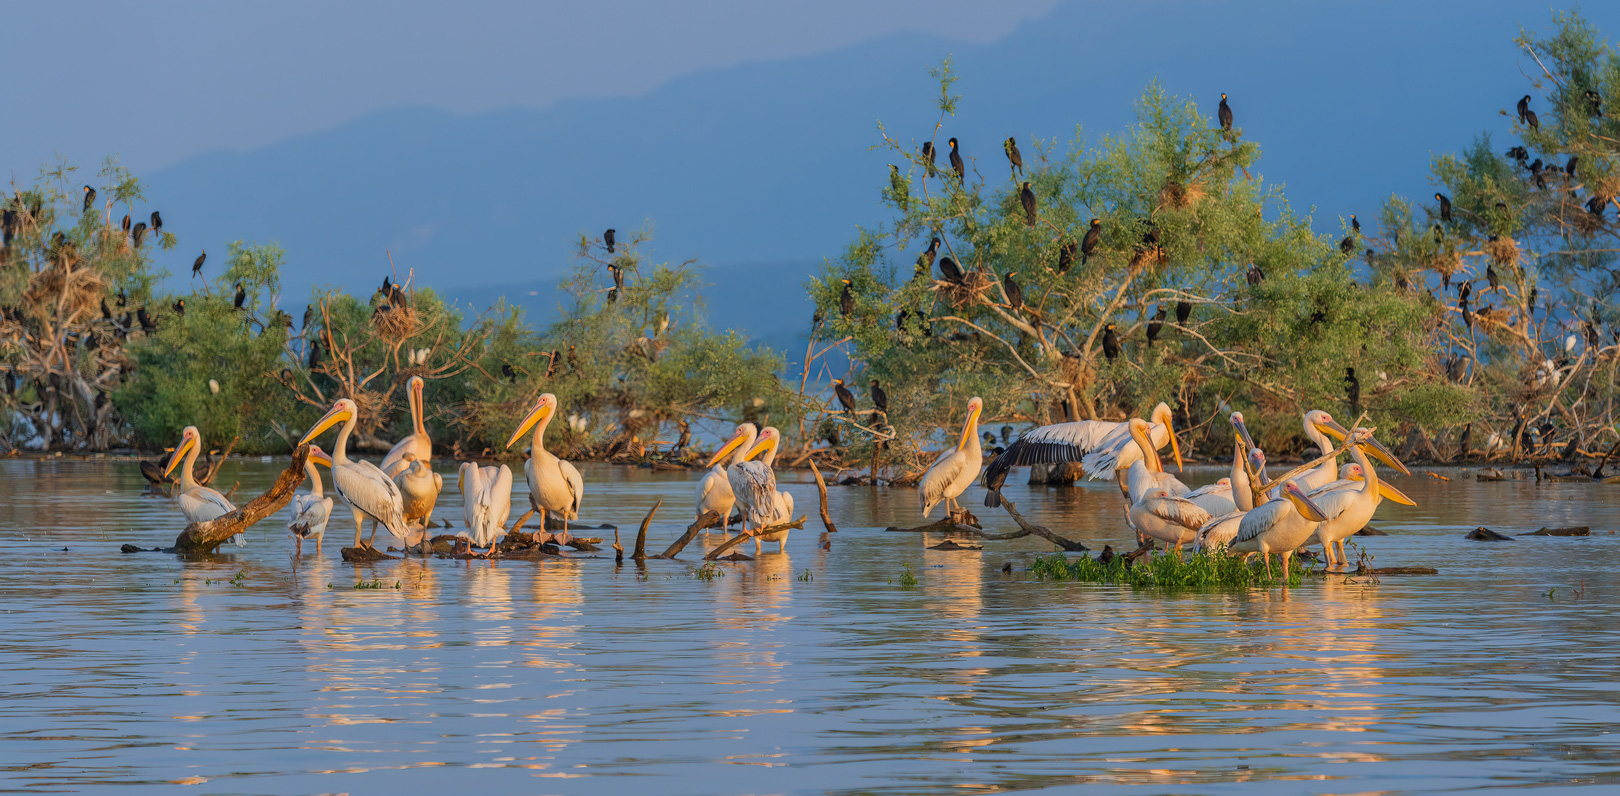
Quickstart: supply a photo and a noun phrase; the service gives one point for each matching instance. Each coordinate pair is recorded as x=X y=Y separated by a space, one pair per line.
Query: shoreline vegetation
x=1059 y=281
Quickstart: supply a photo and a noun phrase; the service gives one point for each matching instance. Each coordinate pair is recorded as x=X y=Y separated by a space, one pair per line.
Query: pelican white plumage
x=1216 y=498
x=486 y=503
x=1220 y=531
x=419 y=486
x=1322 y=429
x=1350 y=502
x=1104 y=449
x=1148 y=473
x=777 y=507
x=1278 y=526
x=417 y=442
x=197 y=502
x=956 y=469
x=370 y=493
x=714 y=491
x=554 y=485
x=1159 y=508
x=313 y=509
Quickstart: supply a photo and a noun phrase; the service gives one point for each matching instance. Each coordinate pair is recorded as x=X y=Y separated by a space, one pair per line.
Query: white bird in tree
x=311 y=510
x=555 y=486
x=956 y=469
x=370 y=493
x=197 y=502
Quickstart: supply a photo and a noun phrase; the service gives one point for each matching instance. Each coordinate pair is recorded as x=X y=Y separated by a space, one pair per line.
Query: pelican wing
x=714 y=492
x=754 y=486
x=1334 y=502
x=576 y=486
x=1216 y=488
x=1175 y=510
x=1119 y=450
x=310 y=514
x=201 y=504
x=1220 y=531
x=941 y=475
x=365 y=487
x=498 y=495
x=1216 y=503
x=1331 y=486
x=1059 y=442
x=1261 y=519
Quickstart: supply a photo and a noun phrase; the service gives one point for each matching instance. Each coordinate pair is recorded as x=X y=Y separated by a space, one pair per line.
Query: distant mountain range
x=764 y=170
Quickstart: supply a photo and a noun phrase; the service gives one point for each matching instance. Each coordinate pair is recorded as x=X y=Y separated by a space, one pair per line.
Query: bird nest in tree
x=1503 y=251
x=972 y=288
x=371 y=407
x=1180 y=196
x=70 y=291
x=1149 y=257
x=1446 y=263
x=396 y=323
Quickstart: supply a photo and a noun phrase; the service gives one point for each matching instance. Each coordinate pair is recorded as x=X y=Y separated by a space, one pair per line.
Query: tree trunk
x=205 y=537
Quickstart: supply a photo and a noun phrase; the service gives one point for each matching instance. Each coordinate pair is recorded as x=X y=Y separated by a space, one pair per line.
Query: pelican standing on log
x=956 y=469
x=417 y=442
x=420 y=488
x=554 y=485
x=752 y=483
x=486 y=503
x=776 y=505
x=1104 y=449
x=312 y=510
x=370 y=493
x=714 y=491
x=197 y=502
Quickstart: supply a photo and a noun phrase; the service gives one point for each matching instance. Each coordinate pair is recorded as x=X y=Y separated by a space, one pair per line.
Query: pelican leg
x=1286 y=556
x=298 y=541
x=318 y=540
x=1343 y=559
x=1267 y=554
x=371 y=541
x=358 y=522
x=1124 y=488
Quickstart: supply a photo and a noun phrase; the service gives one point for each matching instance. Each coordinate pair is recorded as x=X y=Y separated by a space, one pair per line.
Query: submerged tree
x=1152 y=266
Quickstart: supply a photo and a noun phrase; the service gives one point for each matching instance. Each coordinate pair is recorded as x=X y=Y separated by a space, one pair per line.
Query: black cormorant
x=1110 y=343
x=89 y=198
x=880 y=399
x=1156 y=324
x=1014 y=156
x=1224 y=113
x=1183 y=311
x=1089 y=243
x=957 y=164
x=846 y=299
x=1445 y=206
x=197 y=264
x=845 y=397
x=1015 y=294
x=1027 y=198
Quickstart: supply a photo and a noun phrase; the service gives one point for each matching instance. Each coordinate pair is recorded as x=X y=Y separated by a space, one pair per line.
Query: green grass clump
x=1167 y=571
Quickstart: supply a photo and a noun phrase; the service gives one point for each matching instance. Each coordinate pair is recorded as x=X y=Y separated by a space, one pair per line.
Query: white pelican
x=419 y=486
x=311 y=511
x=1104 y=449
x=554 y=485
x=486 y=503
x=1148 y=473
x=752 y=483
x=370 y=493
x=199 y=503
x=957 y=468
x=778 y=508
x=1350 y=502
x=1216 y=498
x=1220 y=532
x=1159 y=506
x=714 y=491
x=417 y=442
x=1321 y=429
x=1279 y=526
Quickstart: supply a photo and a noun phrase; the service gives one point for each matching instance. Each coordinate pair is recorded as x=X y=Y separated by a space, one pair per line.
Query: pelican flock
x=367 y=490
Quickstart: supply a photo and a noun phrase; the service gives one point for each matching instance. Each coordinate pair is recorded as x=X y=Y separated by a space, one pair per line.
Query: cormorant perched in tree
x=618 y=275
x=180 y=307
x=1445 y=206
x=1066 y=256
x=106 y=311
x=309 y=315
x=146 y=320
x=1439 y=235
x=89 y=198
x=157 y=221
x=613 y=295
x=845 y=397
x=1156 y=324
x=1255 y=276
x=509 y=373
x=1352 y=391
x=957 y=164
x=1183 y=311
x=1464 y=290
x=1348 y=244
x=951 y=271
x=1400 y=281
x=1015 y=294
x=1089 y=243
x=138 y=233
x=1013 y=155
x=1530 y=307
x=1467 y=315
x=1369 y=256
x=241 y=295
x=1110 y=343
x=1490 y=276
x=897 y=186
x=846 y=299
x=1524 y=107
x=900 y=319
x=928 y=154
x=314 y=354
x=126 y=223
x=1569 y=168
x=1355 y=226
x=607 y=238
x=1531 y=119
x=1519 y=153
x=1592 y=341
x=1027 y=198
x=1594 y=101
x=1224 y=114
x=197 y=264
x=880 y=399
x=925 y=261
x=1596 y=205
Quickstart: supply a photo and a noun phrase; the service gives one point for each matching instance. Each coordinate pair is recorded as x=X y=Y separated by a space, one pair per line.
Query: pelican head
x=543 y=408
x=970 y=428
x=343 y=411
x=1354 y=472
x=769 y=438
x=1242 y=430
x=1162 y=416
x=415 y=387
x=1302 y=503
x=1325 y=424
x=744 y=432
x=319 y=456
x=189 y=438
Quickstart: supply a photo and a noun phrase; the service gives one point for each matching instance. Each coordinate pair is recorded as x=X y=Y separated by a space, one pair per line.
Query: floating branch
x=206 y=537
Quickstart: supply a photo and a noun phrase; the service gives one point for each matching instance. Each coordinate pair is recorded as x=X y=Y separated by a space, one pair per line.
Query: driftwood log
x=1025 y=528
x=707 y=519
x=641 y=535
x=765 y=531
x=206 y=537
x=821 y=486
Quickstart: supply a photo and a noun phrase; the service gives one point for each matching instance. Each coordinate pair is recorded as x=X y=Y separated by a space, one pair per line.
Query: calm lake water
x=812 y=671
